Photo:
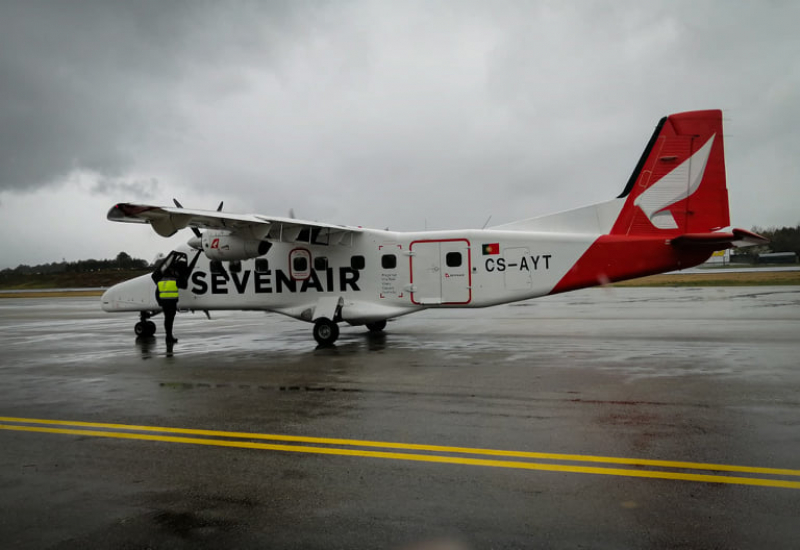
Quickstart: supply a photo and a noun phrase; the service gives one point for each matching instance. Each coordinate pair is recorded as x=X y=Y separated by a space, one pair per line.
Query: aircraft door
x=178 y=261
x=456 y=276
x=440 y=272
x=426 y=278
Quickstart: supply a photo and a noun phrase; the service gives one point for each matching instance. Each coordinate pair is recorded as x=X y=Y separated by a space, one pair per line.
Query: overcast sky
x=381 y=114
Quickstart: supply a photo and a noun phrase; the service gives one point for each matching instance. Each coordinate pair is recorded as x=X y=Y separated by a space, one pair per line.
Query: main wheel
x=325 y=332
x=377 y=326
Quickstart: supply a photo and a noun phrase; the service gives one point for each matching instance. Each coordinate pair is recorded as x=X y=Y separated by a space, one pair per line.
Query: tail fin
x=678 y=186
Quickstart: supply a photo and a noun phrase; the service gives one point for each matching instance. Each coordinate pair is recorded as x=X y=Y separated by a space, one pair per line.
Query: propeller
x=197 y=244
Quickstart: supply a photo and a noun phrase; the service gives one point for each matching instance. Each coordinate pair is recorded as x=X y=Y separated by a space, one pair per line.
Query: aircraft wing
x=167 y=220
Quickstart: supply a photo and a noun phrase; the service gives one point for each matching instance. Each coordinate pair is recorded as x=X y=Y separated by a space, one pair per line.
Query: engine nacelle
x=226 y=247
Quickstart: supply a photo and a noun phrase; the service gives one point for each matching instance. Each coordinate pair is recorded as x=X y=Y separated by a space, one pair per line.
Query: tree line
x=781 y=239
x=122 y=261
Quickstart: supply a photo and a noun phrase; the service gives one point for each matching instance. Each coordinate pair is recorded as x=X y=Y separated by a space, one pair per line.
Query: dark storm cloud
x=85 y=85
x=126 y=187
x=377 y=113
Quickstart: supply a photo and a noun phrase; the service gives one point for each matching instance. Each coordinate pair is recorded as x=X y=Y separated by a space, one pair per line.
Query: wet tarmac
x=606 y=418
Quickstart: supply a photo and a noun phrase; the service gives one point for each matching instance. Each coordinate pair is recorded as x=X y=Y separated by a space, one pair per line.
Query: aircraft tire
x=144 y=329
x=377 y=326
x=326 y=332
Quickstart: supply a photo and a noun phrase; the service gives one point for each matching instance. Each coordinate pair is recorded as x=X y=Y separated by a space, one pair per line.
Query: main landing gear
x=145 y=327
x=325 y=332
x=377 y=326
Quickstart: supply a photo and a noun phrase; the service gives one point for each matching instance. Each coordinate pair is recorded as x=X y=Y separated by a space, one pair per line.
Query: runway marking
x=75 y=428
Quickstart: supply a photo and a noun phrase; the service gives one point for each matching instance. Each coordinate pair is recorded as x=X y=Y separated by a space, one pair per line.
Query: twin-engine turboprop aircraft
x=672 y=214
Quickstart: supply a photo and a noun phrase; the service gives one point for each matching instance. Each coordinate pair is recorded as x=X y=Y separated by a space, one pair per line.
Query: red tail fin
x=678 y=185
x=674 y=204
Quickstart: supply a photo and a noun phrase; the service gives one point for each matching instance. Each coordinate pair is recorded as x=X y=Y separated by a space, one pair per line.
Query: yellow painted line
x=416 y=457
x=419 y=447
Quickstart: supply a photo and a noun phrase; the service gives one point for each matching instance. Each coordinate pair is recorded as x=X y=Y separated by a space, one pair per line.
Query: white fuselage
x=374 y=275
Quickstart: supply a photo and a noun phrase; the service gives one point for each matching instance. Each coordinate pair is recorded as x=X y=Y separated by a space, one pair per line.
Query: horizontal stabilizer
x=719 y=239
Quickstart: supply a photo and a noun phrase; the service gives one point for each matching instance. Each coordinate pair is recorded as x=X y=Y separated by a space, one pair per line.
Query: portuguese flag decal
x=491 y=249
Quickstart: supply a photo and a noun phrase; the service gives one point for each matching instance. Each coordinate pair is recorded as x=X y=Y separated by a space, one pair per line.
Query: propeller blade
x=194 y=261
x=194 y=229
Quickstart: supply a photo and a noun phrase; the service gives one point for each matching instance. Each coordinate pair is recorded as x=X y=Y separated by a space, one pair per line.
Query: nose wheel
x=144 y=328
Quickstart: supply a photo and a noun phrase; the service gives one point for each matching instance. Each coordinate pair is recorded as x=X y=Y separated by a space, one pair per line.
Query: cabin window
x=320 y=263
x=216 y=267
x=453 y=259
x=235 y=266
x=262 y=265
x=358 y=262
x=388 y=261
x=300 y=264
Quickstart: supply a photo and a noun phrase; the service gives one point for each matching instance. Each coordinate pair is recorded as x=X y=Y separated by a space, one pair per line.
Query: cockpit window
x=178 y=261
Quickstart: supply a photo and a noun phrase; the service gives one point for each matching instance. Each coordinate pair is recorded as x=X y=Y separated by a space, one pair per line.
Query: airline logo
x=679 y=184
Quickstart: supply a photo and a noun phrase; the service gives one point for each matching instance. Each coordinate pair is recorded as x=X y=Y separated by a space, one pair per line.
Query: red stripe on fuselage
x=617 y=258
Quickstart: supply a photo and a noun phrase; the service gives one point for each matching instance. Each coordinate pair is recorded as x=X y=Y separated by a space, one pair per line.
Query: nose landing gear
x=145 y=328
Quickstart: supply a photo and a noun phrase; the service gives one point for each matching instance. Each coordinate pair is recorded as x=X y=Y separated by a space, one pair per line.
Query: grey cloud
x=86 y=85
x=379 y=112
x=128 y=188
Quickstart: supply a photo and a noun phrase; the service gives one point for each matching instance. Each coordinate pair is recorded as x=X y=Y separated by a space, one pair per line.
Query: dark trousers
x=170 y=307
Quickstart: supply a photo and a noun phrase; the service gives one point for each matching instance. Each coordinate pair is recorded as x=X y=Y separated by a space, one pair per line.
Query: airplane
x=672 y=214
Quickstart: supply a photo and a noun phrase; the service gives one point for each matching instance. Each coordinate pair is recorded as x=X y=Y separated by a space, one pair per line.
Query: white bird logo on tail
x=673 y=187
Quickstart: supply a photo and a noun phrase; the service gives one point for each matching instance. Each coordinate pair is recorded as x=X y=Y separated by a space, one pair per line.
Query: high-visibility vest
x=168 y=289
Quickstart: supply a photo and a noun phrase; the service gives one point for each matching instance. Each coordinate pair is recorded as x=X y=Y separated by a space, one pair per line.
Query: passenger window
x=320 y=263
x=453 y=259
x=262 y=265
x=357 y=262
x=388 y=261
x=217 y=267
x=300 y=264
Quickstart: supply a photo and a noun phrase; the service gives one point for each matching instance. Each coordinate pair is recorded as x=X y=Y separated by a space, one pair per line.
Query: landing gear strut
x=144 y=328
x=325 y=332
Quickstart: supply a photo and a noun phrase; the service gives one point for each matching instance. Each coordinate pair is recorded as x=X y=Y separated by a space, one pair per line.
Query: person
x=167 y=295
